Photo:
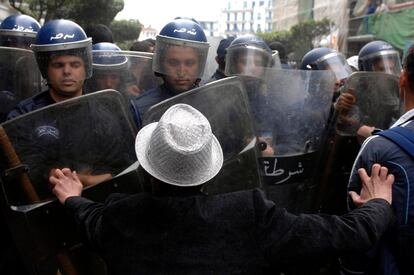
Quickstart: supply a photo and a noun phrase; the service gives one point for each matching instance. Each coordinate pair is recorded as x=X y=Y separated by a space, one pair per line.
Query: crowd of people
x=365 y=196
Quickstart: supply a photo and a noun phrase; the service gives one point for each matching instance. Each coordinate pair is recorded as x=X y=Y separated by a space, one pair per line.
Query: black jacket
x=234 y=233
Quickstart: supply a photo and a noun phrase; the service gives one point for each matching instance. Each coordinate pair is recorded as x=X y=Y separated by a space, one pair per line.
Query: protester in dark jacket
x=177 y=230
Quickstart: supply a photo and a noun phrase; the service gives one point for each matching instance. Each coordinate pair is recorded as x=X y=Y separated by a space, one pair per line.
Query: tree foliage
x=125 y=31
x=81 y=11
x=299 y=39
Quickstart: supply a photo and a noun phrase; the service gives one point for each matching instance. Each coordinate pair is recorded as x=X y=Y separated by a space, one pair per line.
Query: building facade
x=5 y=9
x=246 y=16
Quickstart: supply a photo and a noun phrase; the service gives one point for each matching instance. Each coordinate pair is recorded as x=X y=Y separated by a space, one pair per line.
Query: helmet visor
x=387 y=62
x=180 y=58
x=248 y=61
x=336 y=63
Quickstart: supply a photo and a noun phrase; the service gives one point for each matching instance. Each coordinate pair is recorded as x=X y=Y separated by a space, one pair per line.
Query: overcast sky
x=157 y=13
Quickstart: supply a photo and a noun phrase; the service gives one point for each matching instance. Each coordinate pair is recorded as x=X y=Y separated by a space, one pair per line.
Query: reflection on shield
x=290 y=112
x=224 y=103
x=377 y=102
x=128 y=72
x=91 y=134
x=20 y=77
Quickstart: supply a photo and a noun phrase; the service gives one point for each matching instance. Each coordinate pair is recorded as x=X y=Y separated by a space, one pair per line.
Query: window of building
x=235 y=16
x=228 y=16
x=228 y=27
x=243 y=16
x=269 y=3
x=253 y=4
x=259 y=28
x=245 y=5
x=259 y=16
x=261 y=3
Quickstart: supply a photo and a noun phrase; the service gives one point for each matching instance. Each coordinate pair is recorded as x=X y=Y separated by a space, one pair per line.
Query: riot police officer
x=249 y=56
x=379 y=56
x=18 y=31
x=180 y=56
x=64 y=57
x=16 y=66
x=327 y=59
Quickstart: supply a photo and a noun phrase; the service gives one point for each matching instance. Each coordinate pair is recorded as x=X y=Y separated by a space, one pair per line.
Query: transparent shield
x=225 y=105
x=90 y=134
x=290 y=112
x=20 y=77
x=125 y=71
x=377 y=102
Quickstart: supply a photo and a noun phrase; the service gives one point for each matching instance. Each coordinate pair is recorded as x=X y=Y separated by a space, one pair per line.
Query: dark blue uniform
x=30 y=104
x=151 y=97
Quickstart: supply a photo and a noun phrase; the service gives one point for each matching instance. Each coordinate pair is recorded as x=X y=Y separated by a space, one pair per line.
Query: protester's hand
x=65 y=184
x=345 y=102
x=379 y=185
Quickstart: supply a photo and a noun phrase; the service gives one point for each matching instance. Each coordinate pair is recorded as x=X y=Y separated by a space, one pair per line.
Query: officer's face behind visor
x=337 y=64
x=389 y=64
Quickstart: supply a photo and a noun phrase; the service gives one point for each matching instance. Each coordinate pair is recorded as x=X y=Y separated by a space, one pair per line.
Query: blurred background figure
x=142 y=46
x=353 y=63
x=221 y=58
x=99 y=33
x=280 y=48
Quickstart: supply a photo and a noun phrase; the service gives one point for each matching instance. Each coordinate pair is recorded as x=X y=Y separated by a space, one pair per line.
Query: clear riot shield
x=128 y=72
x=20 y=78
x=290 y=112
x=225 y=105
x=377 y=102
x=90 y=134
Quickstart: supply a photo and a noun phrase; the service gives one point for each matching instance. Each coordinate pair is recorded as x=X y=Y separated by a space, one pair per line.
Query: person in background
x=221 y=58
x=99 y=33
x=281 y=49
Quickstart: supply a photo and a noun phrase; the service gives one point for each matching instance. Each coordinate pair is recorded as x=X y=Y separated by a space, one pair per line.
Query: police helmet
x=248 y=55
x=326 y=59
x=180 y=32
x=18 y=31
x=107 y=56
x=379 y=56
x=62 y=37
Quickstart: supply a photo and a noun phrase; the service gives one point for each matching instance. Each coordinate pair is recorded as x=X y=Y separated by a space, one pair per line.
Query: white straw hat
x=180 y=149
